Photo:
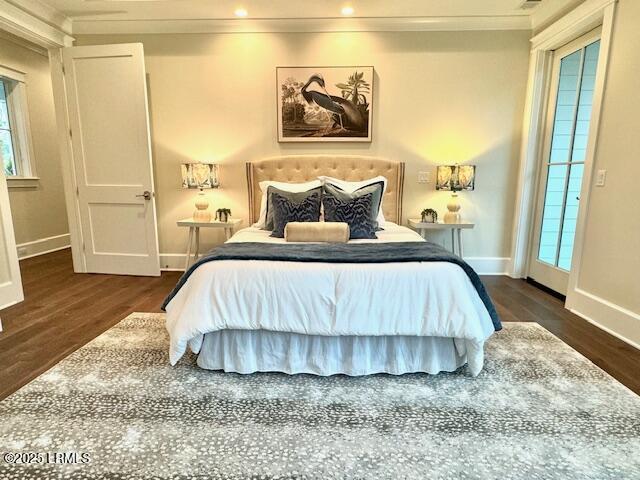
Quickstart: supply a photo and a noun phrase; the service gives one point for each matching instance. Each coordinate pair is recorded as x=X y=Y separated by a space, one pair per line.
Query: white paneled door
x=560 y=184
x=108 y=115
x=10 y=281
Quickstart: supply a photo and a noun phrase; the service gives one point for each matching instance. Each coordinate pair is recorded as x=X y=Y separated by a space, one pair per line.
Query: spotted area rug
x=116 y=409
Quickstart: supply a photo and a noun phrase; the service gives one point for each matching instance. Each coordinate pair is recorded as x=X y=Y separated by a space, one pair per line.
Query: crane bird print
x=324 y=104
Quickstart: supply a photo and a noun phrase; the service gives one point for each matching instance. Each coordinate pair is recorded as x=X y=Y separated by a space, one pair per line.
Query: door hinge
x=83 y=247
x=64 y=72
x=70 y=133
x=78 y=191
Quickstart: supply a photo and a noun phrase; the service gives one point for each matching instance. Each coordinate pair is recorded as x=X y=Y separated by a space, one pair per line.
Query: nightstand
x=194 y=233
x=456 y=231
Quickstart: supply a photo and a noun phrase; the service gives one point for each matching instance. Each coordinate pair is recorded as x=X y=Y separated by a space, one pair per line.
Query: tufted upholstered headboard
x=302 y=168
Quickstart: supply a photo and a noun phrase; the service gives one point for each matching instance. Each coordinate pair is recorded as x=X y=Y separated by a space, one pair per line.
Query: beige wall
x=611 y=258
x=38 y=212
x=439 y=97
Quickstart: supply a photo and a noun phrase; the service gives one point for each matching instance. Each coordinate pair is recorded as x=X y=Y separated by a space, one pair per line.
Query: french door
x=560 y=181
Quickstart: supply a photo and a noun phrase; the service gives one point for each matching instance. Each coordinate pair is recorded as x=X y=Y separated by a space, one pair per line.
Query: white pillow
x=287 y=187
x=351 y=187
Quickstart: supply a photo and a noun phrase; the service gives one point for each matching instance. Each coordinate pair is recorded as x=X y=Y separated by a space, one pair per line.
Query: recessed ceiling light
x=348 y=10
x=241 y=12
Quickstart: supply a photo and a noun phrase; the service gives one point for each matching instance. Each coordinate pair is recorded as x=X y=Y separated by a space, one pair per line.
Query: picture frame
x=325 y=104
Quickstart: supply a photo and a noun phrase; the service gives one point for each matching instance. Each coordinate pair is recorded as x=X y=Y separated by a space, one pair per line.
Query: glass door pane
x=565 y=164
x=570 y=217
x=583 y=116
x=552 y=218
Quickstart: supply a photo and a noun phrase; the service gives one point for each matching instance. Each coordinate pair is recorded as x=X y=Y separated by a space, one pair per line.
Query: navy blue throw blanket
x=396 y=252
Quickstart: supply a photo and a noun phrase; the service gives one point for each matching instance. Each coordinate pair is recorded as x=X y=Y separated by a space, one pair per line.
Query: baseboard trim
x=174 y=262
x=43 y=246
x=608 y=316
x=489 y=265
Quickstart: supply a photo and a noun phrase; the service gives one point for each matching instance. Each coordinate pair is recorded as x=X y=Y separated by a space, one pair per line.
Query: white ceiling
x=111 y=10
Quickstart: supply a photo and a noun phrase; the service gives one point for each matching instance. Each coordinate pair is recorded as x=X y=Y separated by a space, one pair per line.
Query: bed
x=255 y=312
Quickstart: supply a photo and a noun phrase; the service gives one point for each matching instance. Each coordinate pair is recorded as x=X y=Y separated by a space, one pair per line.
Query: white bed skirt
x=249 y=351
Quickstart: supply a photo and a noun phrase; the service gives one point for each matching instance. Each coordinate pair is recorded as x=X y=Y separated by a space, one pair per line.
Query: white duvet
x=416 y=298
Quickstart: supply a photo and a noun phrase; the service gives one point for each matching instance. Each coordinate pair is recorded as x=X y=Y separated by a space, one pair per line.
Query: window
x=15 y=139
x=6 y=140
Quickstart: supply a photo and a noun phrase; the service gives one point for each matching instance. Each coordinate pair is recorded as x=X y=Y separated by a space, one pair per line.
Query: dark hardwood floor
x=63 y=311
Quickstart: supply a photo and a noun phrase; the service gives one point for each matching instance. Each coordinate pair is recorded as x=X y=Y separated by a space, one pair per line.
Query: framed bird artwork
x=324 y=104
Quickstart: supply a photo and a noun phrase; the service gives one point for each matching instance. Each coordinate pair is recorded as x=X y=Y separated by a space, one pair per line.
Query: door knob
x=146 y=195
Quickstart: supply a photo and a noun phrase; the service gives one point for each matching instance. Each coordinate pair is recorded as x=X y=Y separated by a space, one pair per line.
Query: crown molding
x=46 y=13
x=303 y=25
x=580 y=20
x=25 y=25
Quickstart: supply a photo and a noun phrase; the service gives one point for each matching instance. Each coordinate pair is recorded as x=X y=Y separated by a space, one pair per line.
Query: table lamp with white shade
x=201 y=176
x=455 y=178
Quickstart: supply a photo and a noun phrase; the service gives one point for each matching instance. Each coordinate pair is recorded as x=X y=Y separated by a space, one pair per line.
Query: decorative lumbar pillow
x=355 y=209
x=287 y=187
x=295 y=197
x=333 y=232
x=286 y=210
x=351 y=187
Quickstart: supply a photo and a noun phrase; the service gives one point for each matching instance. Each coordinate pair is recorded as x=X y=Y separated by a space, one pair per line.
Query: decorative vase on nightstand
x=202 y=213
x=453 y=207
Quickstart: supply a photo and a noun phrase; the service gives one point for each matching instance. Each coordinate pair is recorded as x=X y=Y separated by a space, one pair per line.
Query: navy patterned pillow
x=286 y=210
x=376 y=199
x=295 y=197
x=356 y=211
